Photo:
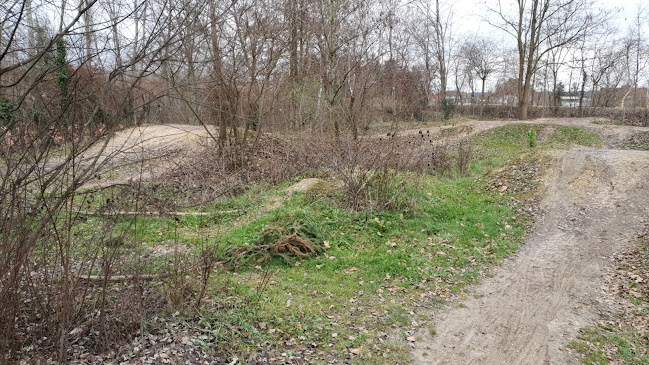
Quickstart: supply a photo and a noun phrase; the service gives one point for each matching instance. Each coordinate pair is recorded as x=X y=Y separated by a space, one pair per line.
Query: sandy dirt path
x=539 y=298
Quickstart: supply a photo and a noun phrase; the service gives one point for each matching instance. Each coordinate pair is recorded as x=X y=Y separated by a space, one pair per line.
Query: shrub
x=448 y=106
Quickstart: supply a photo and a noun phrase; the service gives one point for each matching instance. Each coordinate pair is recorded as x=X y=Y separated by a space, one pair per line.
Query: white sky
x=469 y=18
x=469 y=14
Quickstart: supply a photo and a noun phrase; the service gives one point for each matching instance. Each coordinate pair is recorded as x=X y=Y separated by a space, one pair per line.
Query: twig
x=143 y=277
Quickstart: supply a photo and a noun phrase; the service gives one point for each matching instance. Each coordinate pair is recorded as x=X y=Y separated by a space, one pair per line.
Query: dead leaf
x=326 y=244
x=356 y=350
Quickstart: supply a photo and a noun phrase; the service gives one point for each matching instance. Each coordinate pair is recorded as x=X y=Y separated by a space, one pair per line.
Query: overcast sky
x=469 y=18
x=469 y=14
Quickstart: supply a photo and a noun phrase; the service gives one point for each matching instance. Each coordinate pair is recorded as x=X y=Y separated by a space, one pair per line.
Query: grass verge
x=608 y=122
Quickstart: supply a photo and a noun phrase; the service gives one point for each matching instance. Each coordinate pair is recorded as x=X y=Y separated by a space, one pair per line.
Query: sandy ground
x=144 y=152
x=527 y=313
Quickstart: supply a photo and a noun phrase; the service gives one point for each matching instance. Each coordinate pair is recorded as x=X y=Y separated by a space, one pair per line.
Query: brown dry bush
x=464 y=155
x=210 y=173
x=373 y=170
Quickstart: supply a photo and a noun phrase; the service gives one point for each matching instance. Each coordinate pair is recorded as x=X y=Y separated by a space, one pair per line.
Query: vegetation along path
x=595 y=202
x=536 y=302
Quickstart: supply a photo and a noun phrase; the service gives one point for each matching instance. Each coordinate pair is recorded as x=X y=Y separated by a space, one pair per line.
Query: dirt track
x=538 y=300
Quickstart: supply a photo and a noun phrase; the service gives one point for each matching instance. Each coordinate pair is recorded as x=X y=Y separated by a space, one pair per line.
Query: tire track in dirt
x=540 y=297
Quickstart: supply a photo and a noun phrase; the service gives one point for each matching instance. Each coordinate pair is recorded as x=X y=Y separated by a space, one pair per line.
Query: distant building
x=572 y=100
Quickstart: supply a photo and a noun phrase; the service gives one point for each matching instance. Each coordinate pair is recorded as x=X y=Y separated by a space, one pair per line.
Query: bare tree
x=434 y=36
x=481 y=55
x=533 y=23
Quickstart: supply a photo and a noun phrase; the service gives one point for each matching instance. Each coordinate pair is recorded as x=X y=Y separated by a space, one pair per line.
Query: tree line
x=305 y=64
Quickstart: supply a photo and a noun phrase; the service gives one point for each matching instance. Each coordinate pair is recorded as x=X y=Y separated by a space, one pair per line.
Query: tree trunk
x=293 y=25
x=218 y=78
x=441 y=52
x=582 y=92
x=482 y=98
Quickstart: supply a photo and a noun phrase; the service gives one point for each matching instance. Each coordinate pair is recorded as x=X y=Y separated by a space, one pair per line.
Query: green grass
x=569 y=136
x=608 y=122
x=502 y=145
x=624 y=346
x=379 y=263
x=380 y=267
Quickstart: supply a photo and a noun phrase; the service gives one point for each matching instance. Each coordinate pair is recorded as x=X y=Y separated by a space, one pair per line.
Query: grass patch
x=608 y=122
x=377 y=264
x=454 y=131
x=605 y=345
x=639 y=141
x=571 y=136
x=502 y=145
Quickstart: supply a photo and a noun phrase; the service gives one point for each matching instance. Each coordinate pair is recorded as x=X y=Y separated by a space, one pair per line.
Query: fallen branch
x=177 y=214
x=147 y=277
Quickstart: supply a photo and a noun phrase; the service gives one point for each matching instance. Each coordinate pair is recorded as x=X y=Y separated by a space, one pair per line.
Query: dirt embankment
x=535 y=304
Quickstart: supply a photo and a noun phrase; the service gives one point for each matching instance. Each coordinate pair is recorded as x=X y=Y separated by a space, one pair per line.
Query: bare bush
x=464 y=155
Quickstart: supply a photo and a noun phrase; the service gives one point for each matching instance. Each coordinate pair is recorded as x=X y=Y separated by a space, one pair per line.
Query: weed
x=432 y=330
x=531 y=138
x=464 y=155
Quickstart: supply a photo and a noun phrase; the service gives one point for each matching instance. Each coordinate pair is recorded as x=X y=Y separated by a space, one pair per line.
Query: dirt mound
x=143 y=151
x=150 y=141
x=539 y=299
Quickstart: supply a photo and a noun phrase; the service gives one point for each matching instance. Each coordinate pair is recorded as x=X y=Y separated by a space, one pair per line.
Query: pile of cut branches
x=297 y=240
